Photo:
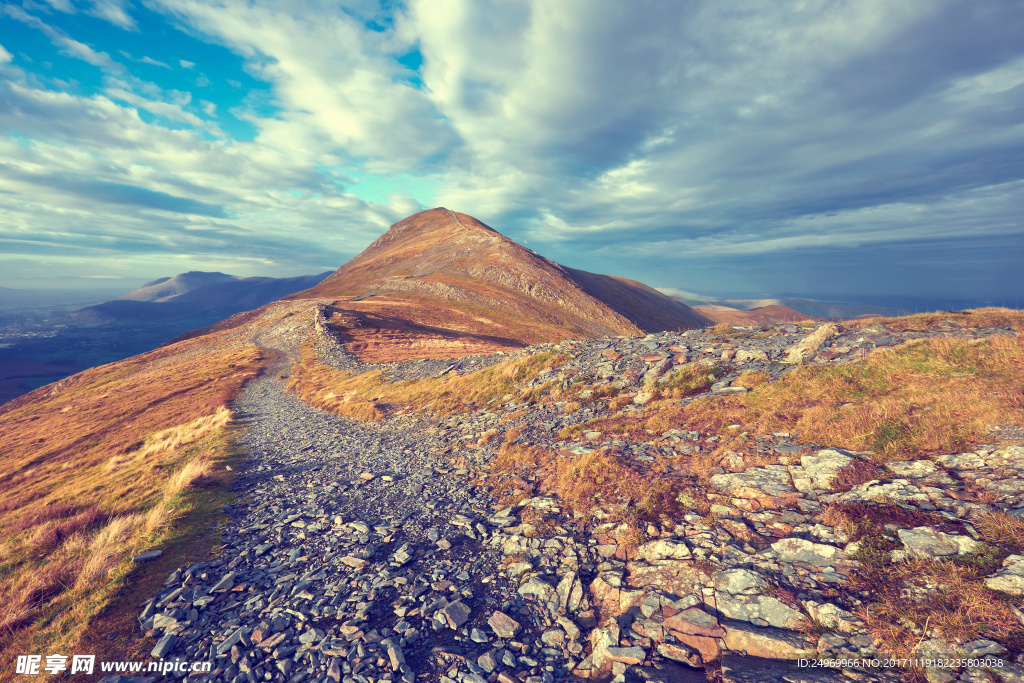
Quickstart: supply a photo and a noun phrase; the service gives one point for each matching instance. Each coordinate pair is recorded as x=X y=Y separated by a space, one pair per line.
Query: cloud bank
x=685 y=144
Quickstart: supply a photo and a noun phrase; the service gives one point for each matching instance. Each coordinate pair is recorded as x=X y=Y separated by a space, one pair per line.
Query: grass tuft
x=369 y=396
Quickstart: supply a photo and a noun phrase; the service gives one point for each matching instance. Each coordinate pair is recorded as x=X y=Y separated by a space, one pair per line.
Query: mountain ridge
x=453 y=258
x=186 y=294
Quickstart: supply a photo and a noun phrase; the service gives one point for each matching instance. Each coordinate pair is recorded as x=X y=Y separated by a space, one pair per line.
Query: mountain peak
x=454 y=261
x=439 y=226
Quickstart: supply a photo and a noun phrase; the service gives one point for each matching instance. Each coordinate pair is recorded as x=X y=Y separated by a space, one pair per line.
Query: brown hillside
x=755 y=316
x=439 y=268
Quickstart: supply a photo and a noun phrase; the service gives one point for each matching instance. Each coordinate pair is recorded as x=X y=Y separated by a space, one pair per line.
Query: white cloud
x=331 y=76
x=68 y=45
x=715 y=128
x=108 y=10
x=114 y=12
x=5 y=56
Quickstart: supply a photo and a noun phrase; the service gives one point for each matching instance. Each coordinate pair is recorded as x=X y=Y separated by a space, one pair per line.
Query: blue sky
x=869 y=147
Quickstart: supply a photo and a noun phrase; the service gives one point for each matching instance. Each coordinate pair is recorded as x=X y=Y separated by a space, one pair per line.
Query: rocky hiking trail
x=362 y=552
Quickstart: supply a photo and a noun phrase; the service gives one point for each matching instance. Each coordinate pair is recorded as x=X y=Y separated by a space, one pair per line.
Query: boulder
x=663 y=549
x=758 y=483
x=740 y=582
x=1009 y=579
x=770 y=643
x=832 y=617
x=745 y=356
x=927 y=543
x=611 y=597
x=693 y=621
x=570 y=593
x=762 y=610
x=504 y=626
x=800 y=550
x=600 y=640
x=708 y=647
x=541 y=590
x=898 y=490
x=817 y=470
x=680 y=653
x=678 y=577
x=810 y=344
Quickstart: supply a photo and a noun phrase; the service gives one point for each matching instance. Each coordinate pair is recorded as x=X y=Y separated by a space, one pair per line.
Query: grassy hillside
x=93 y=470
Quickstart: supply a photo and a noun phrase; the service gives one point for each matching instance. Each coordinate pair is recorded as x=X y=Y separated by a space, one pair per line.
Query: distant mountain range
x=194 y=292
x=836 y=306
x=755 y=316
x=42 y=341
x=782 y=309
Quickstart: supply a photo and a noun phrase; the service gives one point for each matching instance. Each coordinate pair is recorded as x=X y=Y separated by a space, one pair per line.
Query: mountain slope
x=440 y=258
x=167 y=287
x=196 y=293
x=246 y=293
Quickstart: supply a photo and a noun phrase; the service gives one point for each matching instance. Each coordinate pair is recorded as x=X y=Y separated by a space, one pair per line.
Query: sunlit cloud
x=278 y=134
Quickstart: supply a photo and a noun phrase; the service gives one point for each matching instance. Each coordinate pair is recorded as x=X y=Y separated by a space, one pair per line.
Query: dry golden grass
x=618 y=403
x=999 y=528
x=603 y=476
x=86 y=546
x=977 y=318
x=514 y=433
x=856 y=473
x=92 y=470
x=487 y=437
x=685 y=380
x=173 y=438
x=368 y=396
x=947 y=596
x=751 y=379
x=927 y=396
x=722 y=328
x=513 y=458
x=953 y=602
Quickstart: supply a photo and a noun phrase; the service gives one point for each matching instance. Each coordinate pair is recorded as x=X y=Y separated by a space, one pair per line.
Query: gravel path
x=353 y=554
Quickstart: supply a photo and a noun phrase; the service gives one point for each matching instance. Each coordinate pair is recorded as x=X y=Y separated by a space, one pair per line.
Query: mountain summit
x=453 y=260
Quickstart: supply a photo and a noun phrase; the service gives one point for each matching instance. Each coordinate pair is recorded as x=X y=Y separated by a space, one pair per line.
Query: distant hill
x=754 y=316
x=195 y=293
x=168 y=287
x=809 y=308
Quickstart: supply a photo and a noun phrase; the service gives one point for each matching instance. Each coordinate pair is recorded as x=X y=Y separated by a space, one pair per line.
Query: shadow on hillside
x=374 y=330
